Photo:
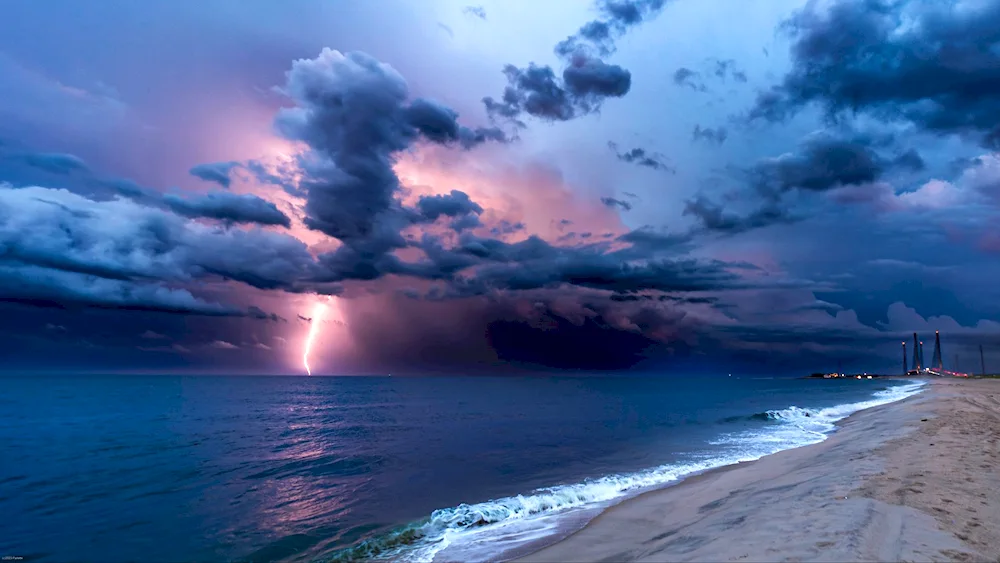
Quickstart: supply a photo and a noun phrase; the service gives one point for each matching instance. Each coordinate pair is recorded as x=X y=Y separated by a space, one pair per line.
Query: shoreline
x=848 y=478
x=514 y=538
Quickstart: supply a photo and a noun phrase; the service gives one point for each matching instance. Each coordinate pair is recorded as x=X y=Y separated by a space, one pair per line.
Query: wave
x=825 y=418
x=421 y=541
x=794 y=414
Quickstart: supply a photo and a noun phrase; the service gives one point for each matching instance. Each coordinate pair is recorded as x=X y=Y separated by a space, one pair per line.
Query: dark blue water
x=167 y=469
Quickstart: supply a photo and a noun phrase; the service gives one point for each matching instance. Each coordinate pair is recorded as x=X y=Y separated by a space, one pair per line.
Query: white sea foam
x=805 y=426
x=478 y=531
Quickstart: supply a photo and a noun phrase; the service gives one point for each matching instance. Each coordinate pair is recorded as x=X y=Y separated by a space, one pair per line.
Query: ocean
x=214 y=468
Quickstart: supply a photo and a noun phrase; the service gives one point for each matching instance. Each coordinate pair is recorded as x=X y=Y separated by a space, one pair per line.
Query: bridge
x=939 y=372
x=937 y=363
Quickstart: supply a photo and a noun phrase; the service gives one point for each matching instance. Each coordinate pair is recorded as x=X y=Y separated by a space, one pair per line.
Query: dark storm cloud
x=120 y=253
x=909 y=160
x=617 y=335
x=715 y=136
x=465 y=222
x=619 y=203
x=928 y=63
x=591 y=80
x=961 y=164
x=505 y=227
x=62 y=164
x=479 y=266
x=630 y=297
x=353 y=113
x=453 y=204
x=641 y=157
x=440 y=124
x=723 y=70
x=476 y=11
x=55 y=163
x=714 y=218
x=650 y=242
x=625 y=331
x=46 y=287
x=599 y=35
x=365 y=259
x=221 y=206
x=229 y=207
x=586 y=81
x=603 y=274
x=539 y=329
x=536 y=90
x=534 y=263
x=129 y=189
x=822 y=163
x=217 y=172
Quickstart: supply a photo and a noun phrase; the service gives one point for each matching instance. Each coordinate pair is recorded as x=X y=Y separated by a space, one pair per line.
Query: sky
x=500 y=187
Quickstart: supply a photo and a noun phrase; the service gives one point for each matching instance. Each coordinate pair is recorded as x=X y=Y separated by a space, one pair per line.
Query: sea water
x=212 y=468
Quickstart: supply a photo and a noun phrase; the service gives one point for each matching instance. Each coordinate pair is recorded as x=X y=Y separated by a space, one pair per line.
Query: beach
x=915 y=480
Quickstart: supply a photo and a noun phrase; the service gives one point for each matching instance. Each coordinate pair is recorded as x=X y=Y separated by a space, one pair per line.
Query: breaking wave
x=529 y=516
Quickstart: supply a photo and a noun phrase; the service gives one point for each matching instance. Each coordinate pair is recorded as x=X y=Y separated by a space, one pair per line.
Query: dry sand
x=916 y=480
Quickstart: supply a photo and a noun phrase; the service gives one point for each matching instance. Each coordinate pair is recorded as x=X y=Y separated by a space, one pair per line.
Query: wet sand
x=916 y=480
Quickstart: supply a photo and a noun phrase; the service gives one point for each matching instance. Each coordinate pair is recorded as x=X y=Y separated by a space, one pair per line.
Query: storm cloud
x=229 y=207
x=823 y=162
x=641 y=157
x=536 y=90
x=452 y=204
x=617 y=17
x=46 y=287
x=55 y=163
x=929 y=64
x=216 y=172
x=713 y=217
x=443 y=257
x=354 y=114
x=616 y=203
x=120 y=253
x=586 y=81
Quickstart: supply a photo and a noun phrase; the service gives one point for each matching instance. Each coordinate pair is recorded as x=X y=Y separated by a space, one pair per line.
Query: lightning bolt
x=319 y=310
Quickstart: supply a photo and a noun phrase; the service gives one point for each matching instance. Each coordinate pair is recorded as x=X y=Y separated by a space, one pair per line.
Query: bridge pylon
x=937 y=360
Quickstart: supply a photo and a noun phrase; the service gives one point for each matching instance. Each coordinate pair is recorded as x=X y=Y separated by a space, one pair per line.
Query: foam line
x=421 y=541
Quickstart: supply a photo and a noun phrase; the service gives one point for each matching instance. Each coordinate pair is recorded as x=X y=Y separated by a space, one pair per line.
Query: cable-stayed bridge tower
x=916 y=352
x=937 y=361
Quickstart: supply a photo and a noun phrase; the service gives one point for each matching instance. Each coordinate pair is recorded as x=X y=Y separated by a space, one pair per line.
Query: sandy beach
x=916 y=480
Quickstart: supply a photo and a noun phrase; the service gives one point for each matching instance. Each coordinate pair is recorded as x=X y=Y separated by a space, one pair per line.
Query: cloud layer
x=814 y=205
